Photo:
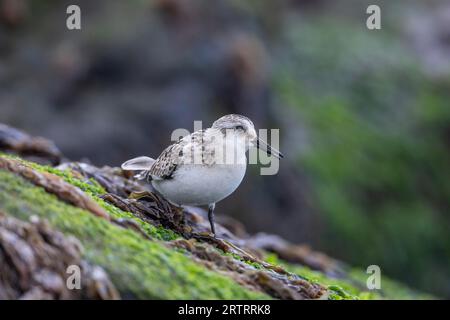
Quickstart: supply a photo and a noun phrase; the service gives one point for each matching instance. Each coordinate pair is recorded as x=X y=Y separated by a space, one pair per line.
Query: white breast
x=210 y=182
x=201 y=185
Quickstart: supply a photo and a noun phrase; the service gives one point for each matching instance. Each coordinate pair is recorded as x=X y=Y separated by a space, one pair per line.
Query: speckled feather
x=197 y=143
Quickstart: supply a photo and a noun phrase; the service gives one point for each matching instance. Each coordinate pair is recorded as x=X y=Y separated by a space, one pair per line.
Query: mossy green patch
x=353 y=287
x=149 y=269
x=339 y=289
x=139 y=268
x=235 y=256
x=95 y=190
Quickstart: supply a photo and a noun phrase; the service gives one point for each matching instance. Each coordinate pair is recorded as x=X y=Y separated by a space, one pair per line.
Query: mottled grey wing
x=167 y=162
x=165 y=165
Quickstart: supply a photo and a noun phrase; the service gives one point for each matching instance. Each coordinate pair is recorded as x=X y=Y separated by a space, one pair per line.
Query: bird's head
x=243 y=128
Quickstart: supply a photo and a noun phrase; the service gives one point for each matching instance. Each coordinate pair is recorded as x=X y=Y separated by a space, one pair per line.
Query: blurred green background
x=364 y=115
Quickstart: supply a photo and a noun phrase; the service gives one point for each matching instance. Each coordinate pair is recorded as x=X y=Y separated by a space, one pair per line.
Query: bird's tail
x=142 y=164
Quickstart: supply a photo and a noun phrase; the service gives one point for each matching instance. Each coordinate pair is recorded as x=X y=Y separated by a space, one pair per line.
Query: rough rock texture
x=78 y=214
x=35 y=260
x=53 y=184
x=37 y=148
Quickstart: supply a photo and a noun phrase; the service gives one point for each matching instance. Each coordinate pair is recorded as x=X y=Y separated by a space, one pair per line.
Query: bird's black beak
x=261 y=145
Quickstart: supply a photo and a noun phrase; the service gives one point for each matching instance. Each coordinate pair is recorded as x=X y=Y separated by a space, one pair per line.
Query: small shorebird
x=204 y=167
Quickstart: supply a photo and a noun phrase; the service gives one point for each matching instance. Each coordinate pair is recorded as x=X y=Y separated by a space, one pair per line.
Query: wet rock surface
x=34 y=148
x=35 y=260
x=238 y=258
x=34 y=257
x=53 y=184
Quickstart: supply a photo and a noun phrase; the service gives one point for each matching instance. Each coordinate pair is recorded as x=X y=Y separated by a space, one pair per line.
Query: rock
x=34 y=260
x=139 y=248
x=35 y=148
x=55 y=185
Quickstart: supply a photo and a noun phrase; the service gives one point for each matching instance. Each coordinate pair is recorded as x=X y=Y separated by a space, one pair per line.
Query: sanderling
x=204 y=167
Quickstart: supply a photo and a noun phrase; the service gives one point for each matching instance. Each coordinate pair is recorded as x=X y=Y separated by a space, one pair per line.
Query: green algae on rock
x=139 y=269
x=164 y=265
x=352 y=285
x=35 y=262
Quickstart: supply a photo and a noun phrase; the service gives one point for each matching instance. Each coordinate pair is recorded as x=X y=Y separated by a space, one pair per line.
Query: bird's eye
x=239 y=128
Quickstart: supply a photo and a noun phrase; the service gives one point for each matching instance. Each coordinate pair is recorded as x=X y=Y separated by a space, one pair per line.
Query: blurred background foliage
x=364 y=115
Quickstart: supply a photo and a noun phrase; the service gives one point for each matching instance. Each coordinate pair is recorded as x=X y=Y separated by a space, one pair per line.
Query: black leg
x=211 y=218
